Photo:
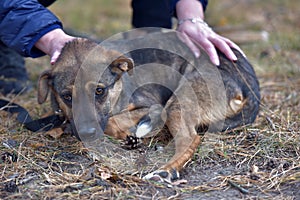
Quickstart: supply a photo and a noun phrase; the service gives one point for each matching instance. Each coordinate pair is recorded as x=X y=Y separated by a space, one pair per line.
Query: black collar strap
x=42 y=124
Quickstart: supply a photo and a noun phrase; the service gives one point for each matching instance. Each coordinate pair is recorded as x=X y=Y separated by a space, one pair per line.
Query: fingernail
x=244 y=54
x=54 y=57
x=197 y=55
x=234 y=57
x=217 y=62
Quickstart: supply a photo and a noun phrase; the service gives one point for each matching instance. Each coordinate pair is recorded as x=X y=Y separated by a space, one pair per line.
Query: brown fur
x=185 y=114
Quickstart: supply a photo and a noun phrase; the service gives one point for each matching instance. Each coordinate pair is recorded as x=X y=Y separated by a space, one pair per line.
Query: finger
x=211 y=51
x=190 y=44
x=224 y=47
x=233 y=45
x=54 y=57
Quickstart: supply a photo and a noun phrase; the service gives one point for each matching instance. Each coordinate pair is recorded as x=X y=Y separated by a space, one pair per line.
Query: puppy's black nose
x=87 y=132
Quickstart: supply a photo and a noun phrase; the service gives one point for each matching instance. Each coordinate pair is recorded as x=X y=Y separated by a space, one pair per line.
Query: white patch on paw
x=154 y=176
x=143 y=129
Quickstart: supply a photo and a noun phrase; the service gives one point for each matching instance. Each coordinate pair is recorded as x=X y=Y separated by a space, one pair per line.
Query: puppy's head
x=83 y=84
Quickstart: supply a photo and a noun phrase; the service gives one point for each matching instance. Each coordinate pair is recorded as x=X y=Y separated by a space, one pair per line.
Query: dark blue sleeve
x=173 y=5
x=23 y=23
x=204 y=4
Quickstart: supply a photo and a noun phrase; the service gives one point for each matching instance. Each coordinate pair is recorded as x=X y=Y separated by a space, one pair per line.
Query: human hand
x=53 y=42
x=198 y=33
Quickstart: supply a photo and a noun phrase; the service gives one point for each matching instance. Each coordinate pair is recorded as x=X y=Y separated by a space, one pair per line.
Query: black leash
x=42 y=124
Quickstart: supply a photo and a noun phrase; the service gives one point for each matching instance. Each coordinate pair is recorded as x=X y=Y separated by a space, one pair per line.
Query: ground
x=260 y=161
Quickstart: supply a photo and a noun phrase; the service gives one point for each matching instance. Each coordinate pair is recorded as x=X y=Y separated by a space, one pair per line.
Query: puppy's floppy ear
x=121 y=65
x=43 y=86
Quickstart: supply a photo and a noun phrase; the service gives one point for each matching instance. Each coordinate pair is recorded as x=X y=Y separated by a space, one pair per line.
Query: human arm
x=200 y=32
x=30 y=28
x=52 y=43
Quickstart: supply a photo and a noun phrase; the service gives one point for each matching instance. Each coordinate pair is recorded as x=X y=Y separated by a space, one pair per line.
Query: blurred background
x=268 y=31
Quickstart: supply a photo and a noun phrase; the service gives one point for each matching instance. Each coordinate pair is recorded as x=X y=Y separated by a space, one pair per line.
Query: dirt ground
x=260 y=161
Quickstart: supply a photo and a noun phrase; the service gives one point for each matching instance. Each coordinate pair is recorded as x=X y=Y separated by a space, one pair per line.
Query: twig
x=271 y=123
x=240 y=188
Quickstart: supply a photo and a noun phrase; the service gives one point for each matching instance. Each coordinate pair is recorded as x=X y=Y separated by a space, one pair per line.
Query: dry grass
x=261 y=161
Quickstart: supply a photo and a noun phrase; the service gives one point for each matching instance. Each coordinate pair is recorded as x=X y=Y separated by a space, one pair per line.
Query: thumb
x=54 y=57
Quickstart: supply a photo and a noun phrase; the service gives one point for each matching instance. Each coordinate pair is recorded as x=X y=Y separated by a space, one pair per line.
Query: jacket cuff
x=23 y=23
x=31 y=50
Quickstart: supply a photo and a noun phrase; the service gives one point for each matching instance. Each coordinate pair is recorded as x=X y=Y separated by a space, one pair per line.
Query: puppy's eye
x=100 y=89
x=67 y=97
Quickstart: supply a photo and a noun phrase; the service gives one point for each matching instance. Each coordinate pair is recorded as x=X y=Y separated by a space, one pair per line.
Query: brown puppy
x=190 y=96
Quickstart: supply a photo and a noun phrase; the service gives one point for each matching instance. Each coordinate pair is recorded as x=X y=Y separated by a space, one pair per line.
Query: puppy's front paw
x=163 y=175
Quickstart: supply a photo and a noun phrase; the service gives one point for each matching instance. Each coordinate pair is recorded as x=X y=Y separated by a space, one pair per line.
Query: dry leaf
x=55 y=133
